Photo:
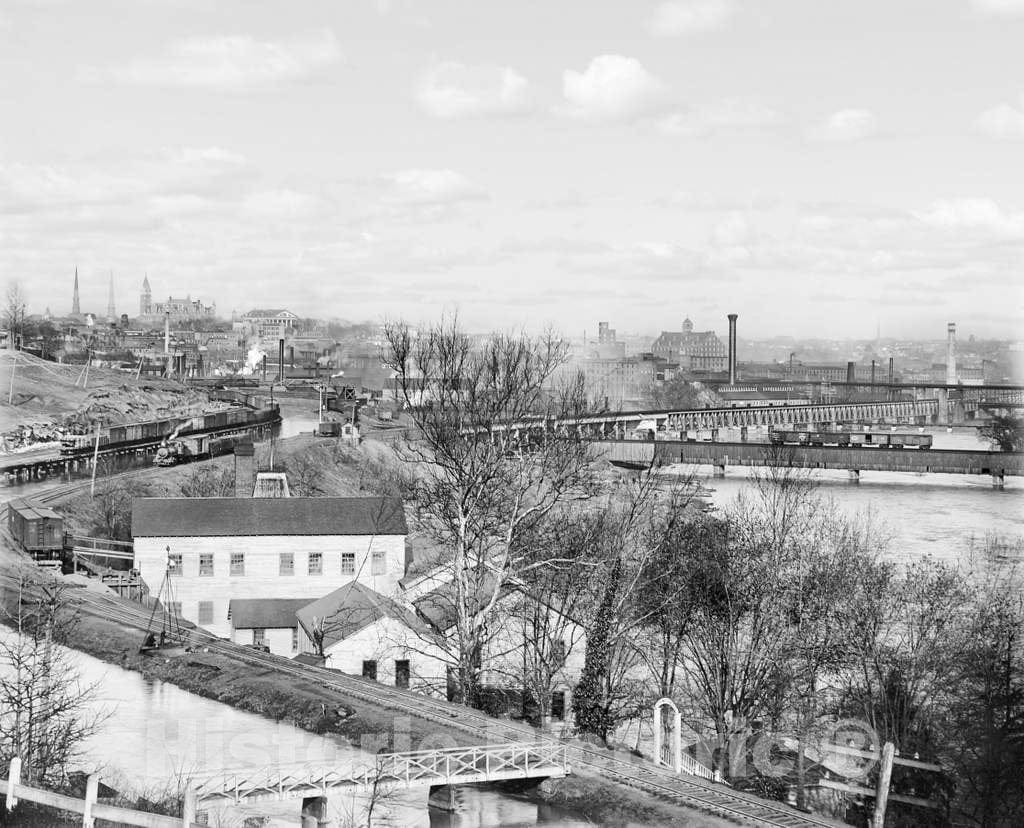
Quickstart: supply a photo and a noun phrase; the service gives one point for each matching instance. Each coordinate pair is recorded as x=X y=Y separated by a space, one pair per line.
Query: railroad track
x=692 y=792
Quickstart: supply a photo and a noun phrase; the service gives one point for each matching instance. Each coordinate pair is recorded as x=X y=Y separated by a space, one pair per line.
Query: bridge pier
x=314 y=812
x=997 y=479
x=855 y=475
x=720 y=465
x=442 y=798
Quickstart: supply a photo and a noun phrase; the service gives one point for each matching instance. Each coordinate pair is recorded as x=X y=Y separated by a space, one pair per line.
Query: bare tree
x=209 y=481
x=489 y=464
x=14 y=313
x=46 y=711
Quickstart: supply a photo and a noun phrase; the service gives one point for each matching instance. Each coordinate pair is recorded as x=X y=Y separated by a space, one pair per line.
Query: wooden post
x=92 y=788
x=188 y=806
x=13 y=780
x=882 y=790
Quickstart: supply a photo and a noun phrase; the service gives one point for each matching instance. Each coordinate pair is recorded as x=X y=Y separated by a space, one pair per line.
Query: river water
x=155 y=734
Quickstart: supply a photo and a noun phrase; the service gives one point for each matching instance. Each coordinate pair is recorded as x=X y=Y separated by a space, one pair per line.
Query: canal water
x=155 y=734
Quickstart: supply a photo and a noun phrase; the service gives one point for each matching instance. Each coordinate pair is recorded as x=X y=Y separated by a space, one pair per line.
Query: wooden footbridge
x=418 y=768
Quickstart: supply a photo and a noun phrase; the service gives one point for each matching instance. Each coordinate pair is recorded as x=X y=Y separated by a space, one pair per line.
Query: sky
x=822 y=169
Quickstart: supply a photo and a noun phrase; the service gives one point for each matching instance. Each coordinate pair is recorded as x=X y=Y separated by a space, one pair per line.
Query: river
x=155 y=733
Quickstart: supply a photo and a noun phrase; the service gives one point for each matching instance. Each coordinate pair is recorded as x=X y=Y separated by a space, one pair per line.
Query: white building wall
x=386 y=641
x=278 y=639
x=262 y=578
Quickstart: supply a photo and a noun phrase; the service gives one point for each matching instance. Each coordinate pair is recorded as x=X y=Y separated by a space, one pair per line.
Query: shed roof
x=349 y=609
x=192 y=517
x=264 y=613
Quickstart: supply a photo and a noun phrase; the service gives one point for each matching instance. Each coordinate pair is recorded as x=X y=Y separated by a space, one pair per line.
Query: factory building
x=218 y=550
x=692 y=350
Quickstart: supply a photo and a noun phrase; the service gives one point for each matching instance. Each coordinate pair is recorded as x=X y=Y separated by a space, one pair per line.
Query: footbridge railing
x=422 y=768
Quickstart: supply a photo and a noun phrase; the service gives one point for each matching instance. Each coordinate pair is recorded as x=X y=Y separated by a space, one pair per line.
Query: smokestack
x=167 y=332
x=872 y=372
x=280 y=360
x=245 y=465
x=732 y=348
x=291 y=356
x=892 y=374
x=851 y=370
x=263 y=367
x=951 y=353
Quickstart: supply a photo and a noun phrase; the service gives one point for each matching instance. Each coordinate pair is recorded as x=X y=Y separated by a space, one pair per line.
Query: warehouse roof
x=264 y=613
x=197 y=517
x=349 y=609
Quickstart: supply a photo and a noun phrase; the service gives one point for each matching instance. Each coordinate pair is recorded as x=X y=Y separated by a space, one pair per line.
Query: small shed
x=39 y=529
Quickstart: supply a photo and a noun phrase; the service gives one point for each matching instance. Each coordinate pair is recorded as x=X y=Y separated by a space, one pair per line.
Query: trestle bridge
x=721 y=455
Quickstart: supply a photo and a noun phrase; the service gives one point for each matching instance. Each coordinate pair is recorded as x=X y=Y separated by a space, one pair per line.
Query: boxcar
x=38 y=529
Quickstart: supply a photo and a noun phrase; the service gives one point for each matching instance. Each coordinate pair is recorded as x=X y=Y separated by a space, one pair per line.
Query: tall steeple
x=145 y=297
x=75 y=309
x=111 y=313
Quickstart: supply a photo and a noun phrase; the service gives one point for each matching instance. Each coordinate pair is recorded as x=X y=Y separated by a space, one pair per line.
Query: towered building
x=179 y=310
x=692 y=350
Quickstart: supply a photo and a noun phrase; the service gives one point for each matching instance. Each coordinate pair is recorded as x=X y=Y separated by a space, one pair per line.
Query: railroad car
x=856 y=439
x=38 y=529
x=808 y=438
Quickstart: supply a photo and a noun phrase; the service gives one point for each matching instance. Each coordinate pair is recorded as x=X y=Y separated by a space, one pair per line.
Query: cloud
x=454 y=90
x=846 y=125
x=226 y=62
x=999 y=8
x=613 y=88
x=686 y=17
x=728 y=115
x=1002 y=121
x=973 y=214
x=430 y=188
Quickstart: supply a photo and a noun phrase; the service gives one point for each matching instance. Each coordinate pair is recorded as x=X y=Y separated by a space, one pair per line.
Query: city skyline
x=524 y=165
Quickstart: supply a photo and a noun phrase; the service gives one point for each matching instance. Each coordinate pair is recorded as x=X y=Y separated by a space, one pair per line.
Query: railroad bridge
x=617 y=423
x=720 y=455
x=438 y=770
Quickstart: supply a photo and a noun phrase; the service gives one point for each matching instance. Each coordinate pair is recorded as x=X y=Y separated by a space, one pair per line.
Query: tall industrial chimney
x=951 y=353
x=892 y=372
x=245 y=468
x=167 y=332
x=280 y=360
x=732 y=348
x=851 y=372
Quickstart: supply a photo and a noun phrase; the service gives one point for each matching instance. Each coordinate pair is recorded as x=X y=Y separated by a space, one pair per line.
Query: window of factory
x=295 y=639
x=174 y=563
x=316 y=563
x=237 y=563
x=370 y=669
x=348 y=563
x=379 y=567
x=402 y=672
x=205 y=564
x=205 y=612
x=287 y=566
x=259 y=636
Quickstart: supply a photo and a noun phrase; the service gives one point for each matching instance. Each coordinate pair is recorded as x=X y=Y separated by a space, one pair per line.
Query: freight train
x=185 y=449
x=153 y=431
x=854 y=439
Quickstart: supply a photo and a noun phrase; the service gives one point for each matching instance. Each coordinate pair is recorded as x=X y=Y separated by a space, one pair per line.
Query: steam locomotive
x=175 y=450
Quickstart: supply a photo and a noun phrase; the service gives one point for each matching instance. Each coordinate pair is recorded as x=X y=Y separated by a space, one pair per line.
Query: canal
x=156 y=734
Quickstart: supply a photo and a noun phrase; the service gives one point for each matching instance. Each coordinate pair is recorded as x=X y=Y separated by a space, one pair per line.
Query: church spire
x=75 y=309
x=111 y=313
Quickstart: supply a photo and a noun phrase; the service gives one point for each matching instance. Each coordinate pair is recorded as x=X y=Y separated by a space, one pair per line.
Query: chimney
x=951 y=353
x=732 y=348
x=245 y=468
x=851 y=372
x=291 y=356
x=280 y=360
x=891 y=370
x=167 y=332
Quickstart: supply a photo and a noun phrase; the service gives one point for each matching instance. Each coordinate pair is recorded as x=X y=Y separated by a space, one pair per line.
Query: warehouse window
x=174 y=563
x=237 y=563
x=295 y=639
x=348 y=563
x=316 y=563
x=205 y=612
x=287 y=566
x=205 y=564
x=259 y=636
x=379 y=567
